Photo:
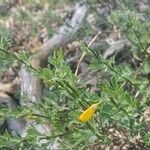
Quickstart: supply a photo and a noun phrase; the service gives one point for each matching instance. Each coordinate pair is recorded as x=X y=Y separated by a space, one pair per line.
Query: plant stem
x=15 y=57
x=111 y=68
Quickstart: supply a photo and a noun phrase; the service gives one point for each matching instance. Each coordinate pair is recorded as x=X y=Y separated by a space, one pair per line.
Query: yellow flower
x=88 y=113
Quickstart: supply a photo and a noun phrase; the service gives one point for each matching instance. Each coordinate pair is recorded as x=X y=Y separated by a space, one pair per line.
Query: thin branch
x=111 y=68
x=84 y=53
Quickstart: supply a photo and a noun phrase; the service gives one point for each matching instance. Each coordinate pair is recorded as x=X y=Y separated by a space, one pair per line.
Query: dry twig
x=84 y=53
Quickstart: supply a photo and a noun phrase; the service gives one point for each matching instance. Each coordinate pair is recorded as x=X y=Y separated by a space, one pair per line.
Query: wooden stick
x=84 y=53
